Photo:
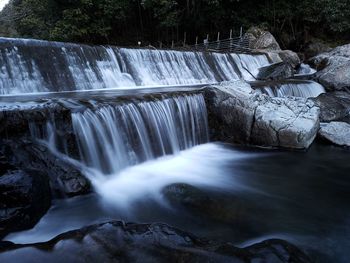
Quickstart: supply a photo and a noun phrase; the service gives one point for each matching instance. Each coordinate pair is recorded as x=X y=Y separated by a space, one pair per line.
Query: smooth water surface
x=241 y=195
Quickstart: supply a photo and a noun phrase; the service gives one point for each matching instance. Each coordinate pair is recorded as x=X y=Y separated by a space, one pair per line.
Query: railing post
x=241 y=32
x=172 y=44
x=231 y=41
x=184 y=44
x=206 y=42
x=218 y=40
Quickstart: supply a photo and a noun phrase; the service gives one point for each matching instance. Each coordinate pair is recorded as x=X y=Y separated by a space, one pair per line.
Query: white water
x=39 y=66
x=201 y=166
x=112 y=138
x=206 y=166
x=308 y=89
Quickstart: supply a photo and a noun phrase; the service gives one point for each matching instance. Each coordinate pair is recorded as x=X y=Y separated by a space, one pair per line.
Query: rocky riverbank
x=120 y=242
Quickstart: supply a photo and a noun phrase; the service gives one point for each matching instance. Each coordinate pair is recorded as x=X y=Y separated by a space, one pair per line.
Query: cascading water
x=112 y=138
x=40 y=66
x=306 y=89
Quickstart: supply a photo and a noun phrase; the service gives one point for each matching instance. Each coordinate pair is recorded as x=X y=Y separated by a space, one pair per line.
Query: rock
x=336 y=132
x=290 y=57
x=285 y=122
x=334 y=106
x=261 y=39
x=238 y=114
x=334 y=68
x=264 y=42
x=24 y=199
x=222 y=207
x=119 y=242
x=231 y=110
x=276 y=71
x=286 y=56
x=65 y=180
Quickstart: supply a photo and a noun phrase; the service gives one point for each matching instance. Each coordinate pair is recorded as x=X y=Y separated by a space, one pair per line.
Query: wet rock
x=336 y=132
x=24 y=199
x=65 y=179
x=119 y=242
x=334 y=68
x=276 y=71
x=334 y=106
x=238 y=114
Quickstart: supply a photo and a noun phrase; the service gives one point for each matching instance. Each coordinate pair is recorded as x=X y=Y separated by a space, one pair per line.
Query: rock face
x=24 y=198
x=265 y=42
x=334 y=106
x=261 y=39
x=65 y=180
x=290 y=57
x=22 y=125
x=336 y=132
x=277 y=71
x=238 y=114
x=334 y=68
x=119 y=242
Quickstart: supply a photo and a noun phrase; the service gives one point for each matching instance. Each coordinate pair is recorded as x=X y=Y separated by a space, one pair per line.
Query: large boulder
x=261 y=39
x=336 y=132
x=333 y=68
x=65 y=180
x=119 y=242
x=238 y=114
x=264 y=42
x=334 y=106
x=290 y=57
x=24 y=198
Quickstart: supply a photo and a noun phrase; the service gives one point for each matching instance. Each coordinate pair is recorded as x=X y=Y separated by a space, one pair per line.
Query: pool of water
x=240 y=195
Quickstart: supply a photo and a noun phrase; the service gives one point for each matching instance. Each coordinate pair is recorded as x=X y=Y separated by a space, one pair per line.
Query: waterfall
x=113 y=137
x=29 y=66
x=307 y=89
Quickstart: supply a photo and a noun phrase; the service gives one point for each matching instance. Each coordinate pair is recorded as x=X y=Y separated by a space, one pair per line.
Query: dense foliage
x=126 y=22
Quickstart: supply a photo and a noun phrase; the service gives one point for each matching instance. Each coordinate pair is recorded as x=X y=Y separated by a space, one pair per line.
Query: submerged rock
x=218 y=206
x=336 y=132
x=119 y=242
x=334 y=106
x=238 y=114
x=24 y=199
x=334 y=68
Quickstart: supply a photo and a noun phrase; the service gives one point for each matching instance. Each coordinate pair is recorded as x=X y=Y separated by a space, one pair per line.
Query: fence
x=230 y=45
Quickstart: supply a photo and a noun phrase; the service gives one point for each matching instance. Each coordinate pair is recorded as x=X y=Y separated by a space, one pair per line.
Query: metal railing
x=234 y=45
